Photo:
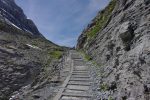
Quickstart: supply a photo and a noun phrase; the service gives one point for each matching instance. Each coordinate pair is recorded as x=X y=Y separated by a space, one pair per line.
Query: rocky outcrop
x=13 y=15
x=26 y=60
x=120 y=45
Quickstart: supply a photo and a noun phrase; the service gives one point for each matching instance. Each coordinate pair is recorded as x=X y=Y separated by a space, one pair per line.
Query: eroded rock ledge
x=121 y=48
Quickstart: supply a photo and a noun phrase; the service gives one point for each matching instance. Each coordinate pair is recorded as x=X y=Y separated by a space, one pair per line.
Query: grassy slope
x=101 y=20
x=97 y=25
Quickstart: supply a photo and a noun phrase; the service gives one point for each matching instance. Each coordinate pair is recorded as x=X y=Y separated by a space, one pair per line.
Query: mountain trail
x=78 y=83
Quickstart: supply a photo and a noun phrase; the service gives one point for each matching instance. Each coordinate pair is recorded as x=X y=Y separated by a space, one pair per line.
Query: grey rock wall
x=122 y=49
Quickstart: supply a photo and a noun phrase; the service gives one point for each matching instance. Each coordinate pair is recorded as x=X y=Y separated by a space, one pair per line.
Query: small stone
x=10 y=70
x=98 y=89
x=36 y=96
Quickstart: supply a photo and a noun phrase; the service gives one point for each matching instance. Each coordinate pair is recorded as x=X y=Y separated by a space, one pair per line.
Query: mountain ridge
x=12 y=14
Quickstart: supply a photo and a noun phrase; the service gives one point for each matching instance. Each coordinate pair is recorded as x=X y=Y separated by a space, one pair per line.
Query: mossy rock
x=104 y=87
x=110 y=98
x=101 y=20
x=56 y=54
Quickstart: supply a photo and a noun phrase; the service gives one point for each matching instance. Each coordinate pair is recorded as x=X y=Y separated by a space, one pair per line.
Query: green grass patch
x=104 y=87
x=110 y=98
x=89 y=58
x=86 y=56
x=56 y=54
x=101 y=20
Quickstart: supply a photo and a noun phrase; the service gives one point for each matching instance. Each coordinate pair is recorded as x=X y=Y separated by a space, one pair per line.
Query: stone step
x=73 y=98
x=79 y=76
x=82 y=68
x=80 y=71
x=76 y=94
x=74 y=91
x=79 y=83
x=83 y=90
x=80 y=79
x=78 y=87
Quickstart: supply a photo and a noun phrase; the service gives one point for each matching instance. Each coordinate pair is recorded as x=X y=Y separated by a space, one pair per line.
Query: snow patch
x=33 y=46
x=15 y=26
x=28 y=31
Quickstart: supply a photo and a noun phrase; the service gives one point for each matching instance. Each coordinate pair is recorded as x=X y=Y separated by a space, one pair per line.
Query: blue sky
x=61 y=21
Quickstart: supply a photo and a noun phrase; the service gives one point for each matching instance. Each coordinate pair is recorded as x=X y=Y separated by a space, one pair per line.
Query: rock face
x=121 y=46
x=26 y=60
x=12 y=14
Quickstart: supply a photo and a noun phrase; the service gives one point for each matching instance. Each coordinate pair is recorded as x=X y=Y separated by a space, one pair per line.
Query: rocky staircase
x=78 y=82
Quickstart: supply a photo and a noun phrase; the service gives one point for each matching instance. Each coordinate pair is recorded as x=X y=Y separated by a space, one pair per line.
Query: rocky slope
x=25 y=58
x=118 y=40
x=13 y=15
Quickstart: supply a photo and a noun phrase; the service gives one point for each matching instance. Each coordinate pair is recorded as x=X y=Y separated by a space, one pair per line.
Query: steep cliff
x=26 y=57
x=13 y=15
x=118 y=40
